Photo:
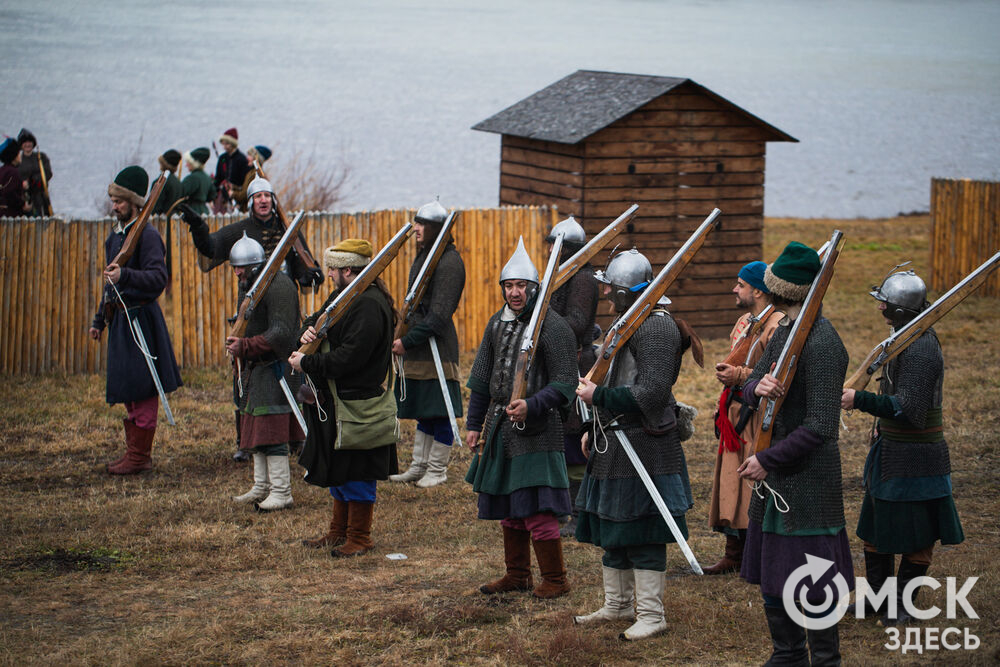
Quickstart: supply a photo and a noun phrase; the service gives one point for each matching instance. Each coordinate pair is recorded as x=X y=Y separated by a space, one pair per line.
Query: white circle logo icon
x=793 y=595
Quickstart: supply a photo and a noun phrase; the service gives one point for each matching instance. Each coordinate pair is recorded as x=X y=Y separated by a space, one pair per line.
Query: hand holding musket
x=784 y=369
x=135 y=231
x=300 y=247
x=338 y=307
x=569 y=268
x=901 y=339
x=423 y=279
x=629 y=322
x=263 y=281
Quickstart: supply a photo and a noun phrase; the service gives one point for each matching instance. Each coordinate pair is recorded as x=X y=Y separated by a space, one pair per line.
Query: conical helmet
x=574 y=236
x=519 y=266
x=246 y=252
x=431 y=214
x=259 y=184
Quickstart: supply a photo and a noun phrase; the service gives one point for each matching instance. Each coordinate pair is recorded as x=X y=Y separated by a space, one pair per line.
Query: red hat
x=232 y=136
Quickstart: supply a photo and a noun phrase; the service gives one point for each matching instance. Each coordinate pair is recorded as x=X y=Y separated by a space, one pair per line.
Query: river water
x=883 y=95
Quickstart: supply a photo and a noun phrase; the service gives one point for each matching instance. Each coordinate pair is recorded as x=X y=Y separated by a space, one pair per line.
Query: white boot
x=618 y=588
x=421 y=450
x=260 y=487
x=437 y=465
x=281 y=484
x=649 y=606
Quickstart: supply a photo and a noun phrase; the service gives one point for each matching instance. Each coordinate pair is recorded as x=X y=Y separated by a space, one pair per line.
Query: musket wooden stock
x=569 y=268
x=335 y=311
x=784 y=369
x=423 y=278
x=300 y=247
x=135 y=231
x=629 y=322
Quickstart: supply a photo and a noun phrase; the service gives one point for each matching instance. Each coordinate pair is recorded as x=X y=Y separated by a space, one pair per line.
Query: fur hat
x=791 y=275
x=349 y=252
x=26 y=135
x=9 y=150
x=753 y=274
x=262 y=153
x=130 y=184
x=169 y=160
x=231 y=136
x=197 y=158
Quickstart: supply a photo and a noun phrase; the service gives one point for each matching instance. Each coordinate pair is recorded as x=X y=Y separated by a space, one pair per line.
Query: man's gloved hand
x=310 y=277
x=189 y=215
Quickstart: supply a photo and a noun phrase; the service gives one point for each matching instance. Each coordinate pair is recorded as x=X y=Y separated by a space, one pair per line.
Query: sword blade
x=444 y=388
x=294 y=405
x=152 y=370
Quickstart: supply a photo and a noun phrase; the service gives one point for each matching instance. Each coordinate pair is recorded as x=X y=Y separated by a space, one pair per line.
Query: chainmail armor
x=438 y=305
x=576 y=301
x=276 y=318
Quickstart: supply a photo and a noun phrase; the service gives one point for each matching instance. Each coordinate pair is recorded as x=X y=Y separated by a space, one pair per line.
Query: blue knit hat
x=753 y=275
x=9 y=150
x=263 y=151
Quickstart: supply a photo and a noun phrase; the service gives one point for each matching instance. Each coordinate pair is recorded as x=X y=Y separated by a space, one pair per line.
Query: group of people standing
x=25 y=173
x=559 y=451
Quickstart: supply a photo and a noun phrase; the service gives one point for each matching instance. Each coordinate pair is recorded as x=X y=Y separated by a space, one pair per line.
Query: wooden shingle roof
x=587 y=101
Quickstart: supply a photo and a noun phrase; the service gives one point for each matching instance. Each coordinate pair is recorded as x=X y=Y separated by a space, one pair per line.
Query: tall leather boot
x=878 y=568
x=619 y=586
x=437 y=465
x=126 y=424
x=280 y=475
x=359 y=531
x=138 y=444
x=553 y=569
x=908 y=571
x=337 y=534
x=824 y=646
x=732 y=558
x=517 y=558
x=787 y=637
x=649 y=619
x=241 y=455
x=421 y=450
x=261 y=483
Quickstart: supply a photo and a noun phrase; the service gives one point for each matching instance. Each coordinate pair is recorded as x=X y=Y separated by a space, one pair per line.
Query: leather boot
x=359 y=531
x=908 y=571
x=437 y=465
x=549 y=555
x=517 y=558
x=281 y=484
x=126 y=424
x=878 y=568
x=649 y=618
x=421 y=450
x=732 y=558
x=138 y=444
x=824 y=647
x=241 y=455
x=337 y=534
x=619 y=586
x=261 y=484
x=787 y=637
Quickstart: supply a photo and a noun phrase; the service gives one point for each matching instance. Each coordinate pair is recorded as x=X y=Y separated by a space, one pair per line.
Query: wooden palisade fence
x=51 y=275
x=965 y=231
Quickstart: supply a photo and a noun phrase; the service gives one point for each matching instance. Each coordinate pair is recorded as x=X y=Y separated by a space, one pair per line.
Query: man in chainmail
x=263 y=226
x=576 y=301
x=798 y=507
x=736 y=422
x=616 y=511
x=519 y=471
x=908 y=504
x=418 y=391
x=267 y=424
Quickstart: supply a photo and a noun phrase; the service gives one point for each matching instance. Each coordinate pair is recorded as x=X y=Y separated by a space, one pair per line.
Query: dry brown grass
x=164 y=569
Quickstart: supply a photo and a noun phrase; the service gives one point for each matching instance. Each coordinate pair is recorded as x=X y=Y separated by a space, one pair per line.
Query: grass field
x=164 y=569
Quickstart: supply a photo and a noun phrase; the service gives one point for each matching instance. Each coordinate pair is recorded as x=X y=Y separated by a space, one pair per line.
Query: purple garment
x=524 y=503
x=476 y=414
x=545 y=399
x=769 y=560
x=789 y=450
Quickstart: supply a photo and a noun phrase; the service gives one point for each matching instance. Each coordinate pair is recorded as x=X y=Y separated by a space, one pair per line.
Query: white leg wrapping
x=437 y=465
x=618 y=589
x=261 y=486
x=421 y=450
x=649 y=606
x=281 y=485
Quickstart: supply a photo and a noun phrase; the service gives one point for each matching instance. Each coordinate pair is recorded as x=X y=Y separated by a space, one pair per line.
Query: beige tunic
x=730 y=494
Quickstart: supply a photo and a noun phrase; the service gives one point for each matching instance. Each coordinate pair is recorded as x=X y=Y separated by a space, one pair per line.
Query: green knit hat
x=130 y=184
x=791 y=275
x=197 y=158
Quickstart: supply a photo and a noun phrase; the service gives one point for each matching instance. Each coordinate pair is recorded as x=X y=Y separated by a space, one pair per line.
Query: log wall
x=50 y=271
x=965 y=231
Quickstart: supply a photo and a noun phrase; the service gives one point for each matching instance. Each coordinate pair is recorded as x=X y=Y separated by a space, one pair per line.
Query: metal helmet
x=246 y=252
x=904 y=295
x=574 y=236
x=431 y=214
x=519 y=266
x=628 y=273
x=259 y=184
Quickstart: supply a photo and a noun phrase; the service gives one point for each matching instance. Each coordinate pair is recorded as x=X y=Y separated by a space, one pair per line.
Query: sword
x=444 y=388
x=152 y=369
x=295 y=406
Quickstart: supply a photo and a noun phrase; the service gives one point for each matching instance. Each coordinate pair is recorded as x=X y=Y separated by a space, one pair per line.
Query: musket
x=915 y=328
x=300 y=247
x=568 y=268
x=784 y=368
x=338 y=307
x=529 y=340
x=135 y=231
x=263 y=281
x=423 y=278
x=45 y=181
x=629 y=322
